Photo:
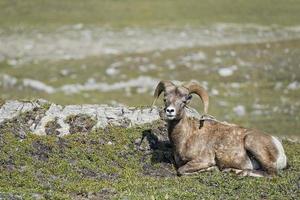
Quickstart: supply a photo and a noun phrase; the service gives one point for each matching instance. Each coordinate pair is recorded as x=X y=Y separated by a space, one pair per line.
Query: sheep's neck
x=178 y=130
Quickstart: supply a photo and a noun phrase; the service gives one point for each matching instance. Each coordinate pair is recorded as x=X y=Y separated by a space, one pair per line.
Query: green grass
x=257 y=81
x=122 y=13
x=107 y=164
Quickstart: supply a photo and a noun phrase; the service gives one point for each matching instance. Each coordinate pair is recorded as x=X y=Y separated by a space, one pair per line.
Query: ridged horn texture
x=195 y=88
x=161 y=87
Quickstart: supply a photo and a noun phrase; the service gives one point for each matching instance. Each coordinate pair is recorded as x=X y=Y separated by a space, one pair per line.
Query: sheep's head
x=177 y=97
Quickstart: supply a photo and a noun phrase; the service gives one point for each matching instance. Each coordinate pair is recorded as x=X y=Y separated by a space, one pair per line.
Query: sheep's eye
x=165 y=100
x=187 y=98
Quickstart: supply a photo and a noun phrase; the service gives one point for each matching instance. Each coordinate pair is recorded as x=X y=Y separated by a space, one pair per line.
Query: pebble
x=225 y=72
x=239 y=110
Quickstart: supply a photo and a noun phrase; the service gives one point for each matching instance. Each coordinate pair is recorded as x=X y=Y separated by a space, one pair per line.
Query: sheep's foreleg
x=195 y=167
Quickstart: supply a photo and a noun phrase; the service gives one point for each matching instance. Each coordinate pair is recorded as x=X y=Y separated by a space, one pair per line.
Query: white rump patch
x=281 y=159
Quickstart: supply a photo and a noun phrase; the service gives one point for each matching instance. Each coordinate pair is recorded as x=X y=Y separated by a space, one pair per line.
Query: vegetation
x=122 y=13
x=111 y=163
x=117 y=163
x=260 y=84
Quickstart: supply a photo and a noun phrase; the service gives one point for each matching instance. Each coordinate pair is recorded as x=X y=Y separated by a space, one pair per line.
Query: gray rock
x=7 y=80
x=12 y=109
x=38 y=85
x=60 y=117
x=293 y=86
x=239 y=110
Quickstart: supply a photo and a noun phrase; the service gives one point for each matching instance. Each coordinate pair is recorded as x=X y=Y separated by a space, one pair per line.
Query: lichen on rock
x=44 y=118
x=24 y=122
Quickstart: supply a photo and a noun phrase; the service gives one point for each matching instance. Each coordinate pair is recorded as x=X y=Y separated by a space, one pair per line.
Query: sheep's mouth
x=170 y=117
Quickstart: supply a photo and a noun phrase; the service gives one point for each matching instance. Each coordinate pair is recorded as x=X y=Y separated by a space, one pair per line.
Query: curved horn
x=162 y=85
x=195 y=88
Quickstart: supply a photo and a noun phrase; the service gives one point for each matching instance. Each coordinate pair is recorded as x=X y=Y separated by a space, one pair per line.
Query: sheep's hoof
x=253 y=173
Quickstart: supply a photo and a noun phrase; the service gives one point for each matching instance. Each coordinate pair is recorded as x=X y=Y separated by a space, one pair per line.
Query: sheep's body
x=205 y=144
x=199 y=145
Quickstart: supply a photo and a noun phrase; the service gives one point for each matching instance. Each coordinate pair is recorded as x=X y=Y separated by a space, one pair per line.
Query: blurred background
x=245 y=53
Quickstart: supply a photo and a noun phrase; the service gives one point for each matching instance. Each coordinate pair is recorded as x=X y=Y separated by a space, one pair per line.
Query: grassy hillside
x=121 y=13
x=63 y=43
x=261 y=82
x=250 y=68
x=116 y=163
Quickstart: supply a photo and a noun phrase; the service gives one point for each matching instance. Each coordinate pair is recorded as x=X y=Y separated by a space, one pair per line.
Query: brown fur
x=221 y=144
x=200 y=145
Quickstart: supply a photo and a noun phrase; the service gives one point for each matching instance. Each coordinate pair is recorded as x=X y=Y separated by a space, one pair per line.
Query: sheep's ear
x=161 y=87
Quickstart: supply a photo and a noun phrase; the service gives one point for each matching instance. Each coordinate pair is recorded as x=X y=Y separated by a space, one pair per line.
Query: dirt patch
x=62 y=143
x=51 y=127
x=162 y=170
x=41 y=151
x=89 y=173
x=105 y=193
x=8 y=164
x=80 y=123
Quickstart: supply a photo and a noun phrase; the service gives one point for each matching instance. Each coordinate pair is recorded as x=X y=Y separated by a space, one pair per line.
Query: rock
x=38 y=85
x=11 y=109
x=12 y=62
x=293 y=86
x=214 y=92
x=111 y=71
x=227 y=71
x=144 y=82
x=240 y=110
x=45 y=118
x=7 y=80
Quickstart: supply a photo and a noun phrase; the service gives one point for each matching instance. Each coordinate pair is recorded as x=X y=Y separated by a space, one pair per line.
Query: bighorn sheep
x=200 y=145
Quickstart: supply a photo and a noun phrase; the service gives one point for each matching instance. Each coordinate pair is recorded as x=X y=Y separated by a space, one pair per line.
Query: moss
x=80 y=123
x=46 y=106
x=109 y=163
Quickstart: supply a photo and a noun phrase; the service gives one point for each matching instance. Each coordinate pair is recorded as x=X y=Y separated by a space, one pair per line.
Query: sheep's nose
x=170 y=110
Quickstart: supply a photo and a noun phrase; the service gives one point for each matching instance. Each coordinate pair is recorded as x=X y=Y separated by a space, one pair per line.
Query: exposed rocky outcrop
x=44 y=118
